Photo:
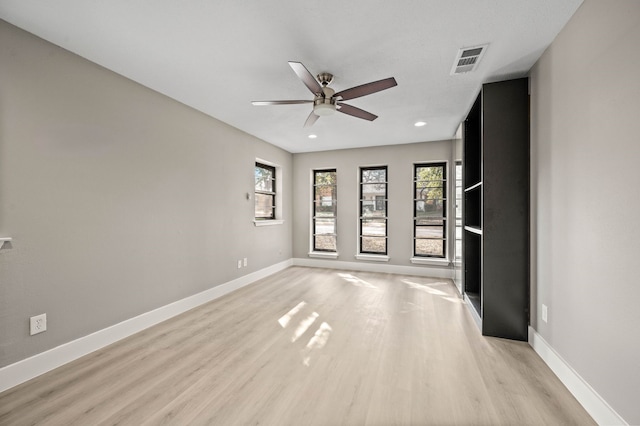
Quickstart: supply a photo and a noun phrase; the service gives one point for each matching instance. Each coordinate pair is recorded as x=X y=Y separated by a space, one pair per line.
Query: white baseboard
x=422 y=271
x=597 y=407
x=27 y=369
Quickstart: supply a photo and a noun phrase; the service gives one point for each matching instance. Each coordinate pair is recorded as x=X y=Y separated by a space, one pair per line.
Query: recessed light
x=420 y=123
x=313 y=136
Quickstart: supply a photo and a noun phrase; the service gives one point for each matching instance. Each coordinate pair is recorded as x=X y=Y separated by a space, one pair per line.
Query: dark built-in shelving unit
x=496 y=209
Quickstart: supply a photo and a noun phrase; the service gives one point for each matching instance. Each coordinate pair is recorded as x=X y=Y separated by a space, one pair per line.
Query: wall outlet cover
x=38 y=324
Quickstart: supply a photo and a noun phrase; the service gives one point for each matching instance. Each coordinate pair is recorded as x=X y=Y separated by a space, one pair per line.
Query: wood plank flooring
x=306 y=347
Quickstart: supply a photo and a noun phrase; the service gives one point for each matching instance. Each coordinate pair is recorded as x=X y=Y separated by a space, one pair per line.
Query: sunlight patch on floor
x=358 y=282
x=286 y=318
x=304 y=325
x=427 y=288
x=317 y=342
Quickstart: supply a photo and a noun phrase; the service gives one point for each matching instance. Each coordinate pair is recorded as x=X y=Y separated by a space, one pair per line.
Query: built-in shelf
x=495 y=209
x=473 y=229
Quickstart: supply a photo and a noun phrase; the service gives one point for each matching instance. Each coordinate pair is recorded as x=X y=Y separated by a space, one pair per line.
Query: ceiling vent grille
x=467 y=59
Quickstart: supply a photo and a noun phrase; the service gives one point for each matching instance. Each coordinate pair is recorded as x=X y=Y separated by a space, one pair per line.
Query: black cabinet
x=496 y=209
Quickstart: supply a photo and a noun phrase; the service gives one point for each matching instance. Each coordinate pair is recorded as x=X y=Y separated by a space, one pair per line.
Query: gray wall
x=119 y=200
x=399 y=159
x=585 y=108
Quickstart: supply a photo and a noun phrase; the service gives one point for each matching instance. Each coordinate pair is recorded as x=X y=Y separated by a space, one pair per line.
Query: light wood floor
x=306 y=347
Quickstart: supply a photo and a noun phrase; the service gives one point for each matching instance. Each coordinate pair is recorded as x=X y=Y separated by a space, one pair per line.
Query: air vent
x=467 y=59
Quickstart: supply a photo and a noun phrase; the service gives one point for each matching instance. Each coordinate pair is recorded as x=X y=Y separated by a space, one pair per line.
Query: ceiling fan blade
x=356 y=112
x=312 y=118
x=367 y=89
x=307 y=78
x=261 y=103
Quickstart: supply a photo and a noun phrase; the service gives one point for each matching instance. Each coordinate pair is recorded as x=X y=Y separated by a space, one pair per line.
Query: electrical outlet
x=245 y=261
x=544 y=312
x=38 y=324
x=239 y=264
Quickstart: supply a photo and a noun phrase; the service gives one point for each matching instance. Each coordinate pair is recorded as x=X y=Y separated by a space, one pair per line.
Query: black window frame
x=314 y=216
x=444 y=239
x=361 y=208
x=271 y=193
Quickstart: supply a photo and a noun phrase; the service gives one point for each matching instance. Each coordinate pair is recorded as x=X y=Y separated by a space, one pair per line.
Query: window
x=458 y=247
x=324 y=210
x=429 y=210
x=265 y=192
x=373 y=210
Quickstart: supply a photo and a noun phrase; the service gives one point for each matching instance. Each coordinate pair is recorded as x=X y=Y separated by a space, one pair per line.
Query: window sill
x=428 y=261
x=373 y=257
x=269 y=222
x=323 y=254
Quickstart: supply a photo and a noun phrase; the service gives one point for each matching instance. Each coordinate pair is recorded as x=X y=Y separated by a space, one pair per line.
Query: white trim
x=422 y=271
x=268 y=222
x=595 y=405
x=477 y=231
x=323 y=254
x=430 y=261
x=372 y=257
x=21 y=371
x=472 y=187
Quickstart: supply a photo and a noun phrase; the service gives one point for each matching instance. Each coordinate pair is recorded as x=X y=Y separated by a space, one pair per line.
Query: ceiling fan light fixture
x=420 y=123
x=313 y=136
x=323 y=109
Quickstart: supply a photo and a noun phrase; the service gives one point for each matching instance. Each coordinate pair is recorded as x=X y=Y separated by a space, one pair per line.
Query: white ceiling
x=218 y=55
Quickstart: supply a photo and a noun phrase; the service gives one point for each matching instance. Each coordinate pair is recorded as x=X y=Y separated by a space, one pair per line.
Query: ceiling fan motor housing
x=325 y=103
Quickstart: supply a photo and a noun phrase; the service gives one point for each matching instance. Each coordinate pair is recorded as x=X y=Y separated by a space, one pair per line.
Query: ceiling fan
x=326 y=101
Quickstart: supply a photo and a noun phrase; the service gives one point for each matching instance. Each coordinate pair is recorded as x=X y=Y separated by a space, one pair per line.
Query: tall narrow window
x=430 y=210
x=265 y=192
x=458 y=247
x=324 y=210
x=373 y=210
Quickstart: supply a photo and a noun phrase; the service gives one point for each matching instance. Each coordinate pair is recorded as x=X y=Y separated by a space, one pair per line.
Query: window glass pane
x=325 y=226
x=324 y=243
x=430 y=173
x=430 y=193
x=325 y=177
x=430 y=208
x=374 y=208
x=374 y=227
x=429 y=221
x=374 y=175
x=264 y=206
x=264 y=178
x=429 y=232
x=429 y=247
x=325 y=207
x=373 y=245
